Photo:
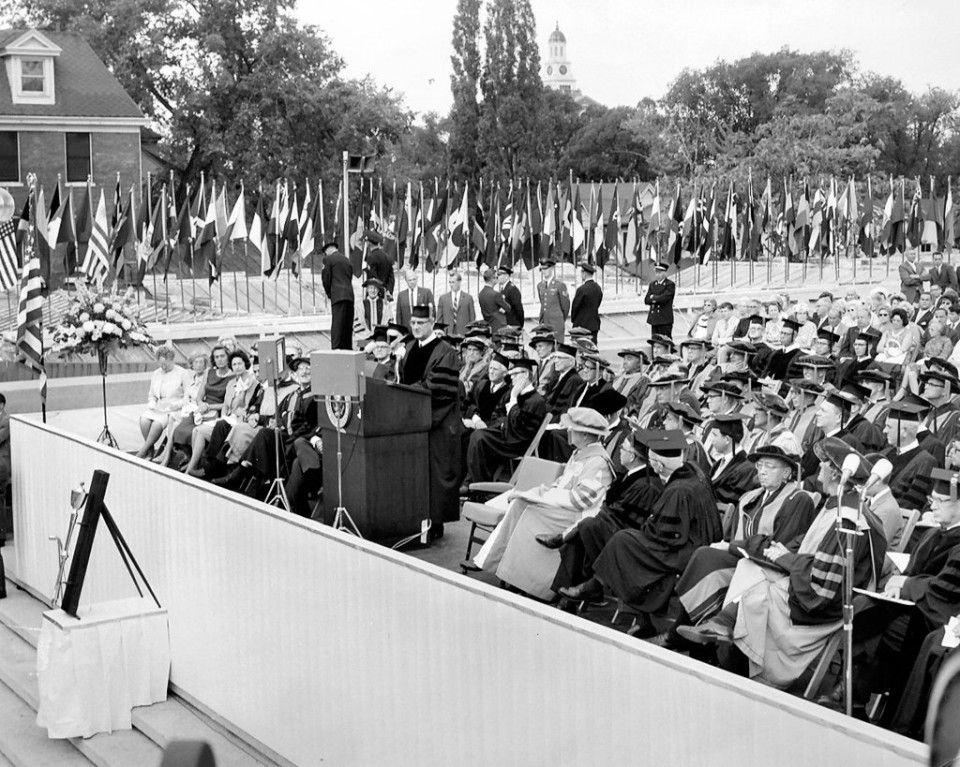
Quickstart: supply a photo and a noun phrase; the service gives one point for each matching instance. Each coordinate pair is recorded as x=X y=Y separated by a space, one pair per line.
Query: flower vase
x=103 y=355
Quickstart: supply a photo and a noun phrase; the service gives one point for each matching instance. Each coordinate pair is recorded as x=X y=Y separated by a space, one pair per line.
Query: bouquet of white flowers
x=95 y=323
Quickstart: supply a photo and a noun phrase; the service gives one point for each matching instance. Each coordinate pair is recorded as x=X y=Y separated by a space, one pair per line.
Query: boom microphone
x=882 y=469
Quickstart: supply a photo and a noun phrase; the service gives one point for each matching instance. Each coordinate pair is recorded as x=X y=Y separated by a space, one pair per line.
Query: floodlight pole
x=346 y=203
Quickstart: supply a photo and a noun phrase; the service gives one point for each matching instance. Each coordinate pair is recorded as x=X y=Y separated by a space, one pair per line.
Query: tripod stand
x=277 y=494
x=337 y=410
x=106 y=437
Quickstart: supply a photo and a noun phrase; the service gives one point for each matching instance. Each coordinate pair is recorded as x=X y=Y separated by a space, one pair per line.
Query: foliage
x=465 y=83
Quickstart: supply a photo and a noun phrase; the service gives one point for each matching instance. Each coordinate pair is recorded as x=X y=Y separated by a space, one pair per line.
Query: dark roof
x=84 y=86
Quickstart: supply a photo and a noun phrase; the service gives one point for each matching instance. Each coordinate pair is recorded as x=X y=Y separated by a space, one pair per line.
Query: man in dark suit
x=337 y=279
x=864 y=317
x=942 y=274
x=379 y=266
x=511 y=294
x=493 y=306
x=455 y=310
x=412 y=296
x=910 y=280
x=924 y=310
x=585 y=309
x=659 y=298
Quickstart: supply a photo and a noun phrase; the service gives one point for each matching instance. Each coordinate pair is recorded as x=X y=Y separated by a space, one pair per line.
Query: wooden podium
x=386 y=468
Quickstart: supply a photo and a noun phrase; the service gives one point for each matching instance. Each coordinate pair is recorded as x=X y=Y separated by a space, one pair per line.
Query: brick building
x=63 y=112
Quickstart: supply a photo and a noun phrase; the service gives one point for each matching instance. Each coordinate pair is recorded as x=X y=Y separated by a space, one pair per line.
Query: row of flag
x=520 y=221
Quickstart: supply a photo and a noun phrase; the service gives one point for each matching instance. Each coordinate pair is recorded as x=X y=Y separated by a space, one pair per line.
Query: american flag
x=30 y=321
x=8 y=255
x=97 y=263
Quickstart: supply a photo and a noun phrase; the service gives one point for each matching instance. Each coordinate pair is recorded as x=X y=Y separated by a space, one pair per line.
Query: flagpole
x=246 y=270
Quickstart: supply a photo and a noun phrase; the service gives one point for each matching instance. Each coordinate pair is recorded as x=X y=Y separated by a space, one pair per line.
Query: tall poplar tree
x=465 y=83
x=511 y=88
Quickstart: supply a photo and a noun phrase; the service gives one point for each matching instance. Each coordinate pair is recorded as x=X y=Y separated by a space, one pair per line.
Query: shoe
x=464 y=490
x=585 y=591
x=663 y=639
x=642 y=627
x=198 y=472
x=707 y=633
x=550 y=541
x=467 y=565
x=232 y=479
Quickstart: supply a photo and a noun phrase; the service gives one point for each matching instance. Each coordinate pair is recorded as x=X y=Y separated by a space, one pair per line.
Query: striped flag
x=256 y=234
x=948 y=235
x=8 y=255
x=30 y=320
x=96 y=265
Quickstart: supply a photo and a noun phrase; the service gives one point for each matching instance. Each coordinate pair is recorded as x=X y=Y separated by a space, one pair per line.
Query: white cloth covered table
x=93 y=670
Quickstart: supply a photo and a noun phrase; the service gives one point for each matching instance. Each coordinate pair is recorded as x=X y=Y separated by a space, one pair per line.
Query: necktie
x=456 y=303
x=294 y=401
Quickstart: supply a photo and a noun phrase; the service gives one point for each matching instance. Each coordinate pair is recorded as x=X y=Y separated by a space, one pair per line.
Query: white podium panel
x=94 y=669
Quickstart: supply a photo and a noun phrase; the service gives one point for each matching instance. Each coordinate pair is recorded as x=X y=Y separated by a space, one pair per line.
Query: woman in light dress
x=167 y=391
x=195 y=378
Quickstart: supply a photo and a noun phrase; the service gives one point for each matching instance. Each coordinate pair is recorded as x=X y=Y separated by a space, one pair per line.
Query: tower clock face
x=563 y=69
x=549 y=70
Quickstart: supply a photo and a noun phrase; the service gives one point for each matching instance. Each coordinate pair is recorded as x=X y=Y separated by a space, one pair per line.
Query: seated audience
x=167 y=390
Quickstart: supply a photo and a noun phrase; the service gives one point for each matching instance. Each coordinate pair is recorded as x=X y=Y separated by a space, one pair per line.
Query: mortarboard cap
x=668 y=443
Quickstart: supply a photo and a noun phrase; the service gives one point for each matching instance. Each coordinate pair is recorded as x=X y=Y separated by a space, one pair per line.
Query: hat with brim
x=683 y=411
x=727 y=389
x=806 y=386
x=773 y=403
x=815 y=361
x=578 y=332
x=476 y=342
x=669 y=379
x=907 y=410
x=834 y=451
x=660 y=267
x=845 y=402
x=776 y=452
x=701 y=342
x=855 y=390
x=296 y=362
x=329 y=244
x=546 y=263
x=509 y=331
x=874 y=375
x=373 y=282
x=587 y=267
x=542 y=329
x=640 y=354
x=659 y=338
x=543 y=339
x=669 y=443
x=942 y=376
x=596 y=359
x=586 y=345
x=666 y=359
x=742 y=347
x=585 y=420
x=504 y=270
x=942 y=364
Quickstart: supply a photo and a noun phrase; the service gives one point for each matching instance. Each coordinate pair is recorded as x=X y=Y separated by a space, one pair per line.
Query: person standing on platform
x=493 y=305
x=455 y=309
x=511 y=294
x=911 y=281
x=585 y=310
x=554 y=300
x=431 y=363
x=379 y=266
x=411 y=297
x=659 y=298
x=337 y=279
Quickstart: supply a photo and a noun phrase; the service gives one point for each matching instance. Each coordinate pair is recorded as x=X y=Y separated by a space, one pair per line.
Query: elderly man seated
x=512 y=550
x=641 y=566
x=782 y=607
x=778 y=510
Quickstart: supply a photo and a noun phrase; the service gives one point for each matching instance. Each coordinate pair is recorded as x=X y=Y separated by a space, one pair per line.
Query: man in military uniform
x=659 y=298
x=511 y=294
x=554 y=299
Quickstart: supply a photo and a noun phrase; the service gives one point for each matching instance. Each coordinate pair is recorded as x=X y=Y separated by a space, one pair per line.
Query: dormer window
x=29 y=63
x=31 y=75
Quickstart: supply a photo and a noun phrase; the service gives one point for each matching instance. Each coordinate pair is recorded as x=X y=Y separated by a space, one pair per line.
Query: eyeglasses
x=883 y=314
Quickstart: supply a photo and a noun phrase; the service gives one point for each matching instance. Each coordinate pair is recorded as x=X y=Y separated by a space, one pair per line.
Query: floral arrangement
x=95 y=323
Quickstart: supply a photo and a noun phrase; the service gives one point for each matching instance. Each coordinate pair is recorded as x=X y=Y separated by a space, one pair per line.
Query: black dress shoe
x=642 y=627
x=550 y=541
x=590 y=589
x=468 y=565
x=232 y=479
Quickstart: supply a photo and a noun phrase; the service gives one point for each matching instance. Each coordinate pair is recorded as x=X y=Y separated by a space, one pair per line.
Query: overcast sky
x=623 y=51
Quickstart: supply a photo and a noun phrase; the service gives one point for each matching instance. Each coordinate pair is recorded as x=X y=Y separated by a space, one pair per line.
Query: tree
x=605 y=148
x=464 y=82
x=512 y=89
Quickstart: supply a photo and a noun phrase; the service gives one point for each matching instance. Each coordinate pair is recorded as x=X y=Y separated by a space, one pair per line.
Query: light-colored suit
x=405 y=304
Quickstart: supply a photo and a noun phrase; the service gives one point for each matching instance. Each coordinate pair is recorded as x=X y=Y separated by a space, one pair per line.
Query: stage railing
x=325 y=648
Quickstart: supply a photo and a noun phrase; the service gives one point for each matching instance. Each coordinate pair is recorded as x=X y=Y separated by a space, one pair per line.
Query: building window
x=78 y=157
x=9 y=157
x=31 y=76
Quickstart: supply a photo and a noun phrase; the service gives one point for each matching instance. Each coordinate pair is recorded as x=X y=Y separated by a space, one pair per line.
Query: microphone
x=882 y=469
x=848 y=468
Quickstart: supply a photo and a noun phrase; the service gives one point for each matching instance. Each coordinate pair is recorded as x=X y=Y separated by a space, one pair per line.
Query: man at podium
x=430 y=362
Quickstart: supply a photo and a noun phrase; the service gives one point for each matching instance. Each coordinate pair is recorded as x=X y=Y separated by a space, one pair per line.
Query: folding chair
x=530 y=472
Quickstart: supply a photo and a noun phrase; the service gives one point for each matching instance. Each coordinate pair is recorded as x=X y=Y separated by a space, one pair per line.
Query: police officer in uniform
x=554 y=299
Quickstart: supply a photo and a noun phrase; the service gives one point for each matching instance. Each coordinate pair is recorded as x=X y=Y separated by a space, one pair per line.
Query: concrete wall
x=329 y=649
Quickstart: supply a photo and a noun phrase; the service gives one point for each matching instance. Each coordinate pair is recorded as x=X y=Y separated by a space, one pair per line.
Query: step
x=162 y=722
x=24 y=744
x=18 y=664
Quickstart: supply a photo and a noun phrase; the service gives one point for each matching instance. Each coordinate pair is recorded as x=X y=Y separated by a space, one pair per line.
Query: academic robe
x=485 y=402
x=782 y=364
x=561 y=394
x=872 y=438
x=761 y=519
x=433 y=366
x=491 y=449
x=641 y=566
x=626 y=506
x=910 y=480
x=810 y=464
x=588 y=393
x=735 y=479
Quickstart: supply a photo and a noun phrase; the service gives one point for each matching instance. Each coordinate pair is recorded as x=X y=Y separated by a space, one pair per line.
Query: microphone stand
x=848 y=537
